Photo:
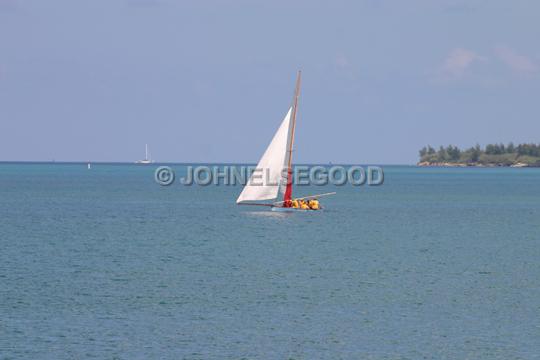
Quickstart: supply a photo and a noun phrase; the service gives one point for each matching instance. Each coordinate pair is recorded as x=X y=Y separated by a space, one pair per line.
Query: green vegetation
x=491 y=155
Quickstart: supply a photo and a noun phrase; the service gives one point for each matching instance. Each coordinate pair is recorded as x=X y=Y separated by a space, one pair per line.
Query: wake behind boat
x=272 y=178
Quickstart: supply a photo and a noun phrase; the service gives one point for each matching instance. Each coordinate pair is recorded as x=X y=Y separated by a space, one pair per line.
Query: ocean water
x=104 y=263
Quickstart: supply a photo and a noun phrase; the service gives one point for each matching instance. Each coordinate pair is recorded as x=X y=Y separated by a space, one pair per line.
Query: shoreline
x=475 y=164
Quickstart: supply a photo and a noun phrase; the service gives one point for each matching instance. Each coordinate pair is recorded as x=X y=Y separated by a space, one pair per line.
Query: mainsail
x=265 y=182
x=273 y=174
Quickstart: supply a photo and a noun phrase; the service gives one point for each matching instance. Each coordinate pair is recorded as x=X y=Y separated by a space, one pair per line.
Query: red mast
x=288 y=190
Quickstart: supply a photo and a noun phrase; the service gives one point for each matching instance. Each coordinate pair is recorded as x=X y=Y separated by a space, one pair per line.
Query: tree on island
x=426 y=151
x=492 y=154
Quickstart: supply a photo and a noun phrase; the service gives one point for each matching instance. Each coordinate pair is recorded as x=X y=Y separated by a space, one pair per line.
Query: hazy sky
x=211 y=80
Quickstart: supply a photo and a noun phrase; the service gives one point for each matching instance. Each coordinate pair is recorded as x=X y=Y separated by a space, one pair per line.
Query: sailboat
x=272 y=178
x=146 y=159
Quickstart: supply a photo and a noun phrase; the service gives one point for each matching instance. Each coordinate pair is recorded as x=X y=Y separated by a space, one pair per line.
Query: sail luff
x=288 y=190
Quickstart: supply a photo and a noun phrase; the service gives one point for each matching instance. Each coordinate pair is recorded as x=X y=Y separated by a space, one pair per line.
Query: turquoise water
x=104 y=263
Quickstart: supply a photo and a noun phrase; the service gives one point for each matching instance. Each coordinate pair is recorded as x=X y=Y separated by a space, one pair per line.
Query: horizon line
x=181 y=163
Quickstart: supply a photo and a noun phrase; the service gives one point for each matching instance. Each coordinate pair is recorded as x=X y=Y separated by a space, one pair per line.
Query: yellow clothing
x=304 y=205
x=295 y=204
x=314 y=204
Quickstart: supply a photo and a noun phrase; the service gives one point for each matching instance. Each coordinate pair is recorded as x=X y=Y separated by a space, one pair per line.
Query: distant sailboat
x=89 y=167
x=146 y=159
x=274 y=178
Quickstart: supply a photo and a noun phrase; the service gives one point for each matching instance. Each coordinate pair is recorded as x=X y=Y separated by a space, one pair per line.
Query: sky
x=210 y=81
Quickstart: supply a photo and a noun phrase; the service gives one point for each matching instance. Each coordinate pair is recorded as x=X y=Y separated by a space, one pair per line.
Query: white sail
x=265 y=182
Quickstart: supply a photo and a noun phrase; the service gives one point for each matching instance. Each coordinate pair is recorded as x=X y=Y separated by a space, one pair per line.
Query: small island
x=523 y=155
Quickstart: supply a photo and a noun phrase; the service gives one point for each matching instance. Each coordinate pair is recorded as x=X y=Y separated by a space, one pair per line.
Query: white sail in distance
x=264 y=183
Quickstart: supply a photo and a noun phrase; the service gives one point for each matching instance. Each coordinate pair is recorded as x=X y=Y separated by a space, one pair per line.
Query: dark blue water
x=104 y=263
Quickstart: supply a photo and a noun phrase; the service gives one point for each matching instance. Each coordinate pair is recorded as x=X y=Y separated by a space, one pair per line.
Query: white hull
x=147 y=159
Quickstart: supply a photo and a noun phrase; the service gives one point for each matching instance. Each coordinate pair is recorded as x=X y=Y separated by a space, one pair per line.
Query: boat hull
x=290 y=209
